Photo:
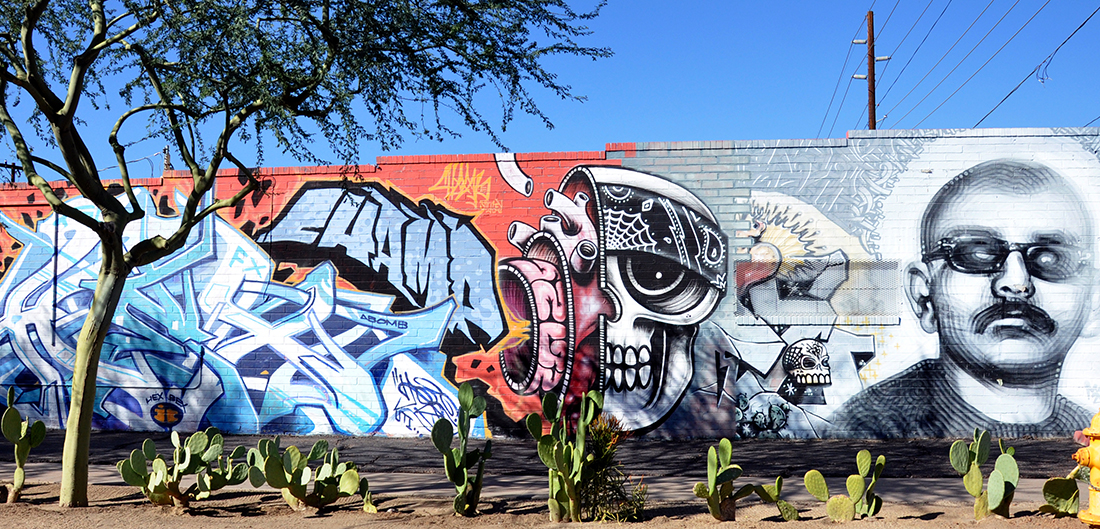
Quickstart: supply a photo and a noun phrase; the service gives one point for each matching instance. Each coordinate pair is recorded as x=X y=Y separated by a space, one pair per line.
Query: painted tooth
x=607 y=376
x=618 y=377
x=617 y=355
x=643 y=375
x=631 y=377
x=631 y=358
x=643 y=355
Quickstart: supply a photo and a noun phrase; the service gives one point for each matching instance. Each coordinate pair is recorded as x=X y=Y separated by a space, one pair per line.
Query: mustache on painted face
x=1034 y=318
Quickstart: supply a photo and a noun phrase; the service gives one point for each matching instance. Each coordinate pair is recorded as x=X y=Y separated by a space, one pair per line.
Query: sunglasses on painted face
x=1047 y=260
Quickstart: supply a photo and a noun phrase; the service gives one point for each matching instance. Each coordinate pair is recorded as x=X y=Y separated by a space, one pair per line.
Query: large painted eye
x=661 y=285
x=652 y=277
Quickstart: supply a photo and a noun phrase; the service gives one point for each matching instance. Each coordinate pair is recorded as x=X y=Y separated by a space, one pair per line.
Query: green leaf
x=349 y=483
x=981 y=455
x=856 y=486
x=213 y=452
x=37 y=434
x=1006 y=464
x=767 y=493
x=197 y=442
x=11 y=424
x=443 y=435
x=256 y=477
x=840 y=509
x=816 y=486
x=275 y=472
x=546 y=452
x=787 y=510
x=725 y=452
x=863 y=464
x=149 y=449
x=1062 y=494
x=973 y=480
x=292 y=460
x=466 y=395
x=880 y=465
x=729 y=474
x=138 y=463
x=175 y=439
x=550 y=407
x=874 y=504
x=960 y=457
x=238 y=452
x=478 y=407
x=744 y=491
x=534 y=425
x=130 y=476
x=597 y=398
x=712 y=468
x=995 y=489
x=319 y=449
x=700 y=490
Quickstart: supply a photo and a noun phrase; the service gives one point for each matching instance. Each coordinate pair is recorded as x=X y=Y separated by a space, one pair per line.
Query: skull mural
x=613 y=286
x=808 y=362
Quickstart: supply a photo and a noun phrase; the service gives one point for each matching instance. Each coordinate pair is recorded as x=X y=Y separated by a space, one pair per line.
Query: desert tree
x=218 y=78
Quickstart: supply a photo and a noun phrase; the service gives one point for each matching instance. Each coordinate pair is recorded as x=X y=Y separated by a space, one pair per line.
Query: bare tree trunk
x=78 y=427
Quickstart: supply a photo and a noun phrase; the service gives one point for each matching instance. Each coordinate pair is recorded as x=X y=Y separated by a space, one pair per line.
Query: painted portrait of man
x=1006 y=281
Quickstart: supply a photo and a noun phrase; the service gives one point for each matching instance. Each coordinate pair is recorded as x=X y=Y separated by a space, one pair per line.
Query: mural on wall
x=205 y=337
x=847 y=291
x=1007 y=294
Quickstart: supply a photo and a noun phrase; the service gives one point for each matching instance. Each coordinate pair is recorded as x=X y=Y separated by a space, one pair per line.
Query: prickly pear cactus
x=996 y=496
x=1062 y=496
x=718 y=489
x=861 y=499
x=563 y=452
x=771 y=494
x=458 y=462
x=202 y=455
x=290 y=472
x=24 y=434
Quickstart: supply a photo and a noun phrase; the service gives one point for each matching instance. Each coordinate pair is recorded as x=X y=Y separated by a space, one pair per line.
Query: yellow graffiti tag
x=461 y=182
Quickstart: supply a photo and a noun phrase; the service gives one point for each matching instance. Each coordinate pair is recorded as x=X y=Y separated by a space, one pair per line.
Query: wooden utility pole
x=870 y=76
x=871 y=121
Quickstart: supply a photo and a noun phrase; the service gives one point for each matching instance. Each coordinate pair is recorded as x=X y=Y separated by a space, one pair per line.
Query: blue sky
x=737 y=70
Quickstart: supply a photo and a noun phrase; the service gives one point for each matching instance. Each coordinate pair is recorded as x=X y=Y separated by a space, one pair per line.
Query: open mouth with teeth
x=814 y=379
x=630 y=368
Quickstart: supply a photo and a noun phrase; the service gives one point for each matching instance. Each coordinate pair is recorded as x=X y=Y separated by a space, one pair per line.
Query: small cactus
x=458 y=461
x=1001 y=485
x=290 y=472
x=771 y=493
x=718 y=489
x=562 y=451
x=861 y=499
x=1062 y=495
x=24 y=434
x=202 y=455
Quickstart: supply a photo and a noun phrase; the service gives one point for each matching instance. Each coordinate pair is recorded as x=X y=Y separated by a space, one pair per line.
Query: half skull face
x=614 y=285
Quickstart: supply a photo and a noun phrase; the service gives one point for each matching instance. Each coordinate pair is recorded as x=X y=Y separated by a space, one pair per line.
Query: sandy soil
x=125 y=507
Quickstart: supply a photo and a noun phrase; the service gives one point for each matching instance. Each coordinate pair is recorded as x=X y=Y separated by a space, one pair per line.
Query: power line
x=1093 y=121
x=934 y=66
x=837 y=87
x=903 y=68
x=965 y=57
x=1040 y=65
x=984 y=63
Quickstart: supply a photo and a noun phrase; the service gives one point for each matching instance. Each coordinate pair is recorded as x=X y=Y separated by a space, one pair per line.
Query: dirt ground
x=115 y=507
